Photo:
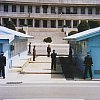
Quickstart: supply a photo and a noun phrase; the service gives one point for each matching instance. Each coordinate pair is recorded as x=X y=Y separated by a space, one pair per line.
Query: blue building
x=83 y=42
x=12 y=43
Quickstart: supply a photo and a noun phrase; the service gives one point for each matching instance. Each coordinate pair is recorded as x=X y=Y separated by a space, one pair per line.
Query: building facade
x=49 y=13
x=83 y=42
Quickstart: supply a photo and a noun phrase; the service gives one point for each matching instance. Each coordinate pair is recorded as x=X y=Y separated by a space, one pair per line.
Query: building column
x=26 y=21
x=48 y=24
x=9 y=19
x=71 y=9
x=41 y=23
x=64 y=10
x=9 y=8
x=64 y=22
x=33 y=9
x=41 y=10
x=79 y=10
x=1 y=21
x=17 y=22
x=71 y=23
x=79 y=21
x=25 y=8
x=94 y=10
x=49 y=9
x=56 y=23
x=86 y=10
x=1 y=8
x=56 y=9
x=17 y=8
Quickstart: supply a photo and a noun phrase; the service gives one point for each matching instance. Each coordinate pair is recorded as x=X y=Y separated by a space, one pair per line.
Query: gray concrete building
x=49 y=13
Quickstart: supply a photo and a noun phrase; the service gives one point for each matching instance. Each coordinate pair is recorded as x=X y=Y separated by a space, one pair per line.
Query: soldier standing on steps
x=48 y=50
x=34 y=53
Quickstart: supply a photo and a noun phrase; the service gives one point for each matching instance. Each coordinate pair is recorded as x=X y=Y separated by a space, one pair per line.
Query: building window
x=83 y=10
x=97 y=10
x=67 y=10
x=5 y=7
x=75 y=23
x=37 y=10
x=53 y=23
x=30 y=22
x=29 y=9
x=60 y=10
x=60 y=23
x=37 y=23
x=75 y=10
x=21 y=8
x=13 y=8
x=45 y=7
x=89 y=10
x=68 y=23
x=5 y=20
x=21 y=22
x=45 y=23
x=53 y=10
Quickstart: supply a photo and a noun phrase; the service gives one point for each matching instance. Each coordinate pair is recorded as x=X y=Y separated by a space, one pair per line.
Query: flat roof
x=57 y=1
x=83 y=35
x=7 y=31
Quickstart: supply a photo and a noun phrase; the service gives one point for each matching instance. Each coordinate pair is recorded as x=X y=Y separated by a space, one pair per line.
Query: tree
x=83 y=26
x=72 y=33
x=48 y=40
x=93 y=24
x=21 y=30
x=10 y=25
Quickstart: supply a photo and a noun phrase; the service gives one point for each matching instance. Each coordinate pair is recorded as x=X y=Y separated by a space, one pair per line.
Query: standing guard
x=53 y=61
x=2 y=64
x=34 y=53
x=88 y=63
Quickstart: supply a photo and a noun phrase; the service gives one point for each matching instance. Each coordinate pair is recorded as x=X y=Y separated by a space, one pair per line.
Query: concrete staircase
x=40 y=33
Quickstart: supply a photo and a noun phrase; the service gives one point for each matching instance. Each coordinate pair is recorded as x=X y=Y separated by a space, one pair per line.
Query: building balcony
x=49 y=16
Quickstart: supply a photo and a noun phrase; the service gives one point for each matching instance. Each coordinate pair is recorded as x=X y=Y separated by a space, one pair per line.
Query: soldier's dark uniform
x=2 y=64
x=48 y=50
x=53 y=62
x=88 y=63
x=34 y=53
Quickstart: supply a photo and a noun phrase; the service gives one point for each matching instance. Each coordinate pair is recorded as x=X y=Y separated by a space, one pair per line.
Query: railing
x=49 y=15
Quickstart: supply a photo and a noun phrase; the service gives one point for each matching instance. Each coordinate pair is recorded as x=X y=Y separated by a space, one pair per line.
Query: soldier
x=2 y=64
x=29 y=52
x=53 y=62
x=34 y=53
x=48 y=50
x=88 y=63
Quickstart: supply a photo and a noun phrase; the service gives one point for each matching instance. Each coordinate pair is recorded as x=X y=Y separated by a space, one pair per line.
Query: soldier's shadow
x=58 y=73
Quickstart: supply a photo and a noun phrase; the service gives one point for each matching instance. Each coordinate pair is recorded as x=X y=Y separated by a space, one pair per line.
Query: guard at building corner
x=2 y=64
x=88 y=63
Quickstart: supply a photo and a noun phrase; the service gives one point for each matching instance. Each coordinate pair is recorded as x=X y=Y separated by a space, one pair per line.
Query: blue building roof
x=84 y=35
x=4 y=30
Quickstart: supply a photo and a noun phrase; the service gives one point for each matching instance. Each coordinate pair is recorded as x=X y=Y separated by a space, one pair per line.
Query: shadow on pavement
x=69 y=69
x=58 y=74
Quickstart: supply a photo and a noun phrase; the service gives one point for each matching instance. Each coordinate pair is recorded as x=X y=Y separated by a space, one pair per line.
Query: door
x=95 y=51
